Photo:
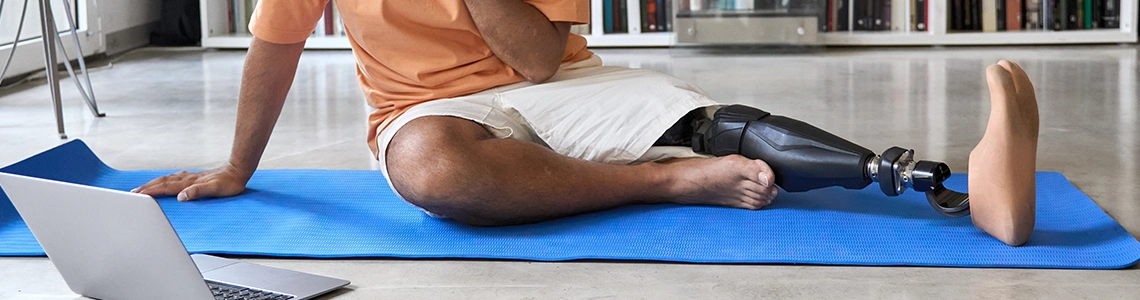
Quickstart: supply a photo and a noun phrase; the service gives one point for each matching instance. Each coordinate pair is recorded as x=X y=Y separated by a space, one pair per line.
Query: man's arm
x=521 y=36
x=266 y=78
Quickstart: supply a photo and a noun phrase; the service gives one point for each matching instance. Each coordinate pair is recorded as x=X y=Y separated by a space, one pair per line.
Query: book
x=967 y=15
x=955 y=15
x=744 y=4
x=863 y=15
x=1032 y=19
x=608 y=16
x=843 y=15
x=989 y=15
x=230 y=11
x=899 y=15
x=1013 y=15
x=1071 y=15
x=328 y=17
x=975 y=14
x=1097 y=13
x=918 y=15
x=882 y=15
x=648 y=15
x=1049 y=14
x=1001 y=14
x=1111 y=14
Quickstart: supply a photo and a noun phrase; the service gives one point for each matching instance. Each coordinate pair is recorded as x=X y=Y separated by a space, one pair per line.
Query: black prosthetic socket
x=805 y=157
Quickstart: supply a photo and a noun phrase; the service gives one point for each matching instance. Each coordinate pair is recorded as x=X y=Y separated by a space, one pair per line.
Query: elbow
x=540 y=74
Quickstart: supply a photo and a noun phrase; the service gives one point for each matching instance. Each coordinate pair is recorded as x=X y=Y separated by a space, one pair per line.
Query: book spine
x=843 y=15
x=650 y=15
x=1013 y=15
x=976 y=13
x=899 y=13
x=989 y=15
x=230 y=10
x=1072 y=16
x=663 y=15
x=920 y=15
x=1112 y=14
x=1001 y=15
x=967 y=15
x=329 y=19
x=883 y=15
x=1097 y=14
x=608 y=16
x=1084 y=8
x=744 y=4
x=864 y=15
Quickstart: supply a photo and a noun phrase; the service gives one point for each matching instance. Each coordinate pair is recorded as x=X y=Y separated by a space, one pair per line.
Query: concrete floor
x=175 y=109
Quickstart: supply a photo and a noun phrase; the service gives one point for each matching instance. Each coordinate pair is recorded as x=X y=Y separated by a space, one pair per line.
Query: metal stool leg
x=49 y=36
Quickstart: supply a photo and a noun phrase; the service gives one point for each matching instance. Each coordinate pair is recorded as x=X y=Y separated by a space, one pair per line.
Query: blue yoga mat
x=328 y=213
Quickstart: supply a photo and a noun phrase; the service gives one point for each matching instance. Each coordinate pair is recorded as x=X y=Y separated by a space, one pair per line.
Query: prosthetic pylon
x=805 y=157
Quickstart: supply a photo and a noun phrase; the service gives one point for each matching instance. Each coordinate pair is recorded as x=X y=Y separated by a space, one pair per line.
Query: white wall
x=123 y=14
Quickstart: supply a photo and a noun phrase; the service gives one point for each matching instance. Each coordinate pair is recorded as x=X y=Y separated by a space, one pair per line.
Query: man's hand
x=521 y=36
x=216 y=183
x=265 y=80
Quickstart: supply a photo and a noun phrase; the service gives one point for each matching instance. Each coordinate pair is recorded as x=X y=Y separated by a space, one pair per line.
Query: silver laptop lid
x=106 y=244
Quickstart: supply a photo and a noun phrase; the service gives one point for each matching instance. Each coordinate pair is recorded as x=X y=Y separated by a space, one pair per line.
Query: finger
x=197 y=191
x=166 y=186
x=158 y=181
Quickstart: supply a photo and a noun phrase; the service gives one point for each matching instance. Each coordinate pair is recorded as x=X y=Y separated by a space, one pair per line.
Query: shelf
x=214 y=21
x=1095 y=36
x=648 y=39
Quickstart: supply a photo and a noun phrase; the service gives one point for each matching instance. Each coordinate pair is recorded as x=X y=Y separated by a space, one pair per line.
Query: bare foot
x=1003 y=198
x=733 y=181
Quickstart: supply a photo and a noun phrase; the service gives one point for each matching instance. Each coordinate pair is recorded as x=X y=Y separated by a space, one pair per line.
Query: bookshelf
x=742 y=28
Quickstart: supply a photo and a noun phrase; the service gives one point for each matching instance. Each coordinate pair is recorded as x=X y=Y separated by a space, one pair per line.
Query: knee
x=429 y=167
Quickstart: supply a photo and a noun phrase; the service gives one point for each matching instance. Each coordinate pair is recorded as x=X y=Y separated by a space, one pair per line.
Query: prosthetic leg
x=806 y=158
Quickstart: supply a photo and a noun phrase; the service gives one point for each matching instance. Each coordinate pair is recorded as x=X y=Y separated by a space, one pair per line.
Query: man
x=491 y=113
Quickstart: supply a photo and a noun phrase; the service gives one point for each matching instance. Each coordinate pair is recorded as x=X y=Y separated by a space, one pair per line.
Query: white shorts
x=586 y=111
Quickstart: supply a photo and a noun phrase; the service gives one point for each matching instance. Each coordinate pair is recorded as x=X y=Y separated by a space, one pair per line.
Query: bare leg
x=456 y=168
x=1002 y=167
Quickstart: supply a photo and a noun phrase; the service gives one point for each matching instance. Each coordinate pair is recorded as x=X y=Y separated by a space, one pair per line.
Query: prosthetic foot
x=806 y=158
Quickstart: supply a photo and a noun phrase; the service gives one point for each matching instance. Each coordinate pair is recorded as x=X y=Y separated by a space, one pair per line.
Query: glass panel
x=10 y=19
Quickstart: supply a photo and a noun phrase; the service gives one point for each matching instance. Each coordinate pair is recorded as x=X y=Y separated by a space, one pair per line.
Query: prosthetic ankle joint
x=805 y=157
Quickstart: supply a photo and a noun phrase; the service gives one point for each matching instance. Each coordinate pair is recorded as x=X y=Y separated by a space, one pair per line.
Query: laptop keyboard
x=224 y=291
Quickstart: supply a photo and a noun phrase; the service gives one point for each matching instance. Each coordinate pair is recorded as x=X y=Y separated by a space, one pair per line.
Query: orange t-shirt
x=412 y=51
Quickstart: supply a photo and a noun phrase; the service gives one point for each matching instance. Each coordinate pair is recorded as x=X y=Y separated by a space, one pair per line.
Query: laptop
x=110 y=244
